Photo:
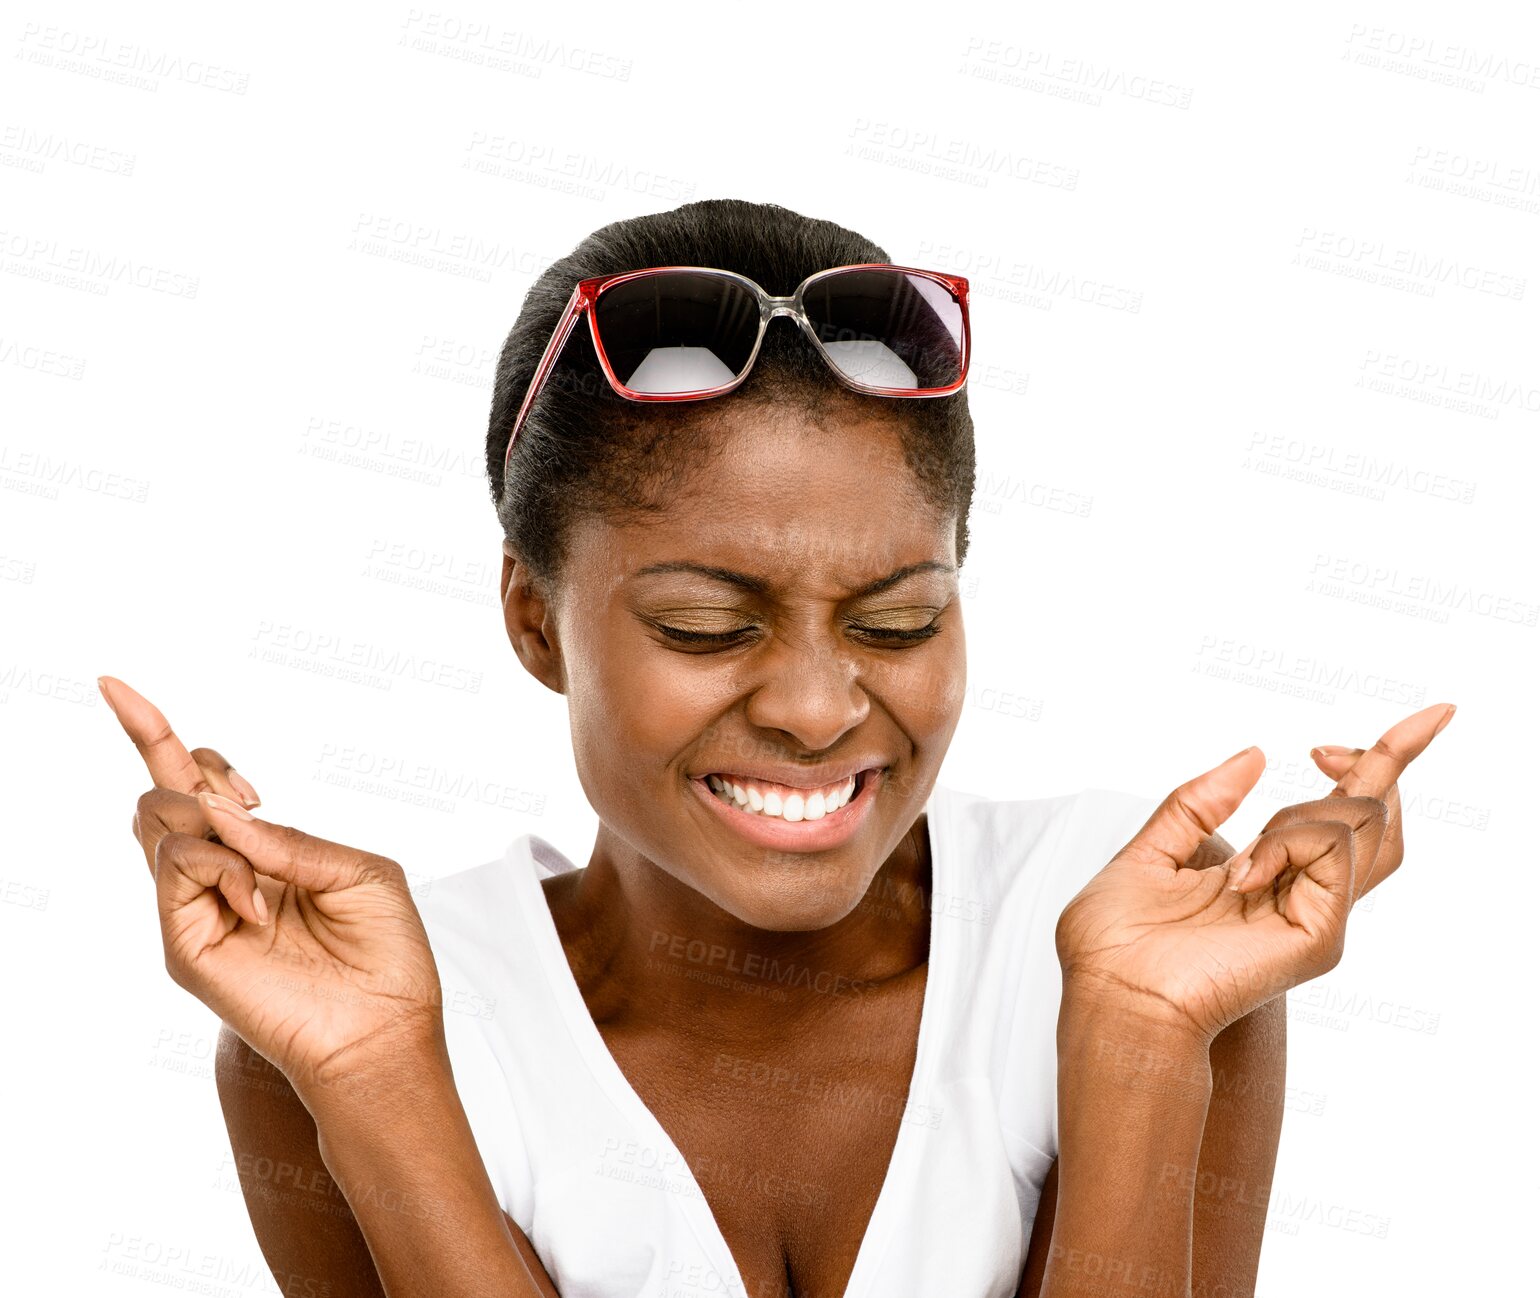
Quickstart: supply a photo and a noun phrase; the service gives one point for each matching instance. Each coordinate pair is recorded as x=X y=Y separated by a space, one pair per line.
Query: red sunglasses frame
x=586 y=294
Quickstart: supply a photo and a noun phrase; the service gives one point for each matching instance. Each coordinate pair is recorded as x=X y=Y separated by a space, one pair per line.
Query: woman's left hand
x=1198 y=948
x=311 y=950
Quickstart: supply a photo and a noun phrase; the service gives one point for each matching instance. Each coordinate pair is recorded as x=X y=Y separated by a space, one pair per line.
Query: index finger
x=171 y=766
x=1373 y=774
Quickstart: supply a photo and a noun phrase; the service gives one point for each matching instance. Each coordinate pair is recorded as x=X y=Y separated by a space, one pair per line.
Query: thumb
x=288 y=854
x=1194 y=810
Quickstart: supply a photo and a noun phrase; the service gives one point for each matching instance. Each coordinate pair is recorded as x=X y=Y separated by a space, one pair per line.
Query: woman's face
x=828 y=589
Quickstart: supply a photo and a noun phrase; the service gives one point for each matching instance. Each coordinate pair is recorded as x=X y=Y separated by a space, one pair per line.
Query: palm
x=332 y=972
x=1182 y=939
x=311 y=950
x=1156 y=932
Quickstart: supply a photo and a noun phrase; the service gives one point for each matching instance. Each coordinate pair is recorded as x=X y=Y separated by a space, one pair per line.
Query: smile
x=759 y=798
x=788 y=819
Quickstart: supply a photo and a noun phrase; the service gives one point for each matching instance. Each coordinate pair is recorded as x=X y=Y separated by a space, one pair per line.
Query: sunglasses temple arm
x=564 y=327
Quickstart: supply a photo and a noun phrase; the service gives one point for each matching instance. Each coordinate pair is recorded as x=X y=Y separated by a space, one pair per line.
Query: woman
x=807 y=1023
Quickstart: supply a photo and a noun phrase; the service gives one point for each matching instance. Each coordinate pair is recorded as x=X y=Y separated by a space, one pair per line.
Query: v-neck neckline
x=617 y=1086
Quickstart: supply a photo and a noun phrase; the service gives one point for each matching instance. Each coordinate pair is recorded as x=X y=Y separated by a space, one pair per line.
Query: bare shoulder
x=302 y=1220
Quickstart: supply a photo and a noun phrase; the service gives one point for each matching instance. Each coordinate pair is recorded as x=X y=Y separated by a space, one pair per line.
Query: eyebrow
x=760 y=586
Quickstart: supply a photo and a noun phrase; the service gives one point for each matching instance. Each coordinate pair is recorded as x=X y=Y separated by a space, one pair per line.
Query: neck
x=645 y=947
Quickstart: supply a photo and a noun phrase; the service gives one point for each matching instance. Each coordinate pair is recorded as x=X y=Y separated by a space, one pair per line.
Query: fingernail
x=1239 y=865
x=1445 y=720
x=243 y=786
x=101 y=684
x=1237 y=756
x=259 y=904
x=1330 y=750
x=218 y=802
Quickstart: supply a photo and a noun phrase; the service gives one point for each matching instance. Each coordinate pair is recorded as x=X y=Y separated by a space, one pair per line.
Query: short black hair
x=585 y=449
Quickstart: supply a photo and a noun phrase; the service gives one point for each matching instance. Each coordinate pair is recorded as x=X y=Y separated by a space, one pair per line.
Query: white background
x=1257 y=395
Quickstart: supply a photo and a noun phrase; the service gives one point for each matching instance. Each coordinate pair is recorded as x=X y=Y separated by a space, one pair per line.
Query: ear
x=529 y=618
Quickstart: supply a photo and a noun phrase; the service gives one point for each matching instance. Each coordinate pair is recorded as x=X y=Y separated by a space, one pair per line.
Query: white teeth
x=794 y=807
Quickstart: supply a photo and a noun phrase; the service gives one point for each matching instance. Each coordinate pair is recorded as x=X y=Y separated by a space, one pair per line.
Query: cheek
x=635 y=714
x=924 y=691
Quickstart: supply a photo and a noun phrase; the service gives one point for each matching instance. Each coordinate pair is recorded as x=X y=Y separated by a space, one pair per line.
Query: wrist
x=356 y=1088
x=1133 y=1097
x=1131 y=1048
x=1093 y=998
x=400 y=1147
x=384 y=1120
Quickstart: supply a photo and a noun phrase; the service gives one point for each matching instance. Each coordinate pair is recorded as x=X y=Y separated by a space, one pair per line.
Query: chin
x=791 y=894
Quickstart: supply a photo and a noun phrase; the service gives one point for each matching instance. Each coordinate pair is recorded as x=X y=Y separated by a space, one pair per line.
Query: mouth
x=793 y=820
x=762 y=798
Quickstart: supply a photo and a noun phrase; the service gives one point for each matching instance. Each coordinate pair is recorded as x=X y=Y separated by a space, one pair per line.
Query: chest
x=789 y=1137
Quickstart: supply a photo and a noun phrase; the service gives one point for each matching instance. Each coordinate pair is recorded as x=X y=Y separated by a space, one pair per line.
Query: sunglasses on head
x=684 y=333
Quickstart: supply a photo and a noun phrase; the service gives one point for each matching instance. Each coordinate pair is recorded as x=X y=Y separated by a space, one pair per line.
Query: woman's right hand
x=1149 y=936
x=312 y=951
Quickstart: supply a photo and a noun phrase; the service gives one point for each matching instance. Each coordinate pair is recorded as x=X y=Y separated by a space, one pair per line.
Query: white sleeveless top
x=590 y=1175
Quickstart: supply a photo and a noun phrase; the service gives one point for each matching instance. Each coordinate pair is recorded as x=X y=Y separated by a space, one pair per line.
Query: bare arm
x=346 y=1084
x=1160 y=960
x=1133 y=1099
x=303 y=1221
x=1240 y=1149
x=418 y=1188
x=1233 y=1179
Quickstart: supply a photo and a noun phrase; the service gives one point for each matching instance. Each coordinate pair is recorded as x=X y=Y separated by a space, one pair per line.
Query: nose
x=809 y=689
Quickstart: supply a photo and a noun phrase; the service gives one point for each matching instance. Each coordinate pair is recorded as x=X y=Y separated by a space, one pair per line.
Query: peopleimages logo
x=340 y=656
x=1353 y=472
x=548 y=166
x=1405 y=268
x=1341 y=576
x=504 y=49
x=70 y=266
x=33 y=150
x=1468 y=391
x=1078 y=80
x=1430 y=58
x=952 y=157
x=106 y=59
x=1282 y=671
x=1026 y=283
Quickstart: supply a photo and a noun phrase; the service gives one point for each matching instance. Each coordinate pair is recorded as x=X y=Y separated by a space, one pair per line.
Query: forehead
x=783 y=496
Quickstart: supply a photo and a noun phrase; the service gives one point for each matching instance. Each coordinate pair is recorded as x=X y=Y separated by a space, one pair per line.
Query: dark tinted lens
x=888 y=329
x=678 y=332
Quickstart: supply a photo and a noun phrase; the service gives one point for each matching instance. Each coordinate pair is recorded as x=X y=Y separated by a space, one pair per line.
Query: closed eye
x=900 y=634
x=888 y=635
x=700 y=637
